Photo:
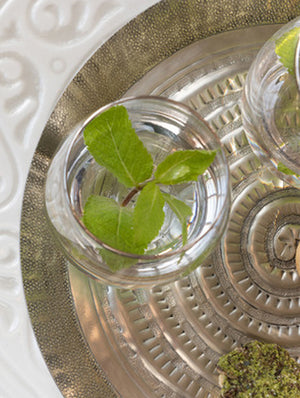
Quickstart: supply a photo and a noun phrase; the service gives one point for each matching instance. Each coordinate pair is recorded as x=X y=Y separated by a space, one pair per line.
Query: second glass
x=271 y=104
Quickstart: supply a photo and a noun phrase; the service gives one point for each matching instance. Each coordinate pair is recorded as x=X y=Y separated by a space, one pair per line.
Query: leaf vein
x=119 y=156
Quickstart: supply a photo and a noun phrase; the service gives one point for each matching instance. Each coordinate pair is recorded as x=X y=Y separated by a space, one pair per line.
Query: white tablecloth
x=42 y=45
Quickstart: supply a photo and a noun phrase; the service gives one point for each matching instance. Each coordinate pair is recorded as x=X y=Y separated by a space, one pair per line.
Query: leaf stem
x=130 y=195
x=134 y=191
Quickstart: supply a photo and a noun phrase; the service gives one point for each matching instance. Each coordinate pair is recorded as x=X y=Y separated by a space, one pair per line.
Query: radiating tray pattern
x=99 y=341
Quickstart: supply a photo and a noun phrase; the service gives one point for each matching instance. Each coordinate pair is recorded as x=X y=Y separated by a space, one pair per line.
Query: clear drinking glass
x=164 y=126
x=271 y=118
x=271 y=108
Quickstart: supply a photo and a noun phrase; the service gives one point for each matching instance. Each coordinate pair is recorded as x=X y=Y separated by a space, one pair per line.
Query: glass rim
x=168 y=253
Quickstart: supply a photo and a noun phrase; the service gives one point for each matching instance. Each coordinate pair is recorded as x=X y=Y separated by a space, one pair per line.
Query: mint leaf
x=148 y=215
x=285 y=170
x=181 y=210
x=113 y=225
x=114 y=144
x=286 y=48
x=109 y=222
x=183 y=166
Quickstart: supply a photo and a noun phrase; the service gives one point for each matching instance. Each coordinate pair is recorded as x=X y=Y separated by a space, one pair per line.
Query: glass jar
x=164 y=126
x=271 y=105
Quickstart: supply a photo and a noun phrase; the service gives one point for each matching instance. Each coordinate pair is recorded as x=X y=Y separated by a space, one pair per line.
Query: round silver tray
x=99 y=341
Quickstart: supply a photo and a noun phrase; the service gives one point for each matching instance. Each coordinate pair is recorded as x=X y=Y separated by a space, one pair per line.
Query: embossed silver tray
x=99 y=341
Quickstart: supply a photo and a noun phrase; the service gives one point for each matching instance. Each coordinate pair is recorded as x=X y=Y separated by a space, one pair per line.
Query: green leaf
x=183 y=166
x=109 y=222
x=182 y=211
x=148 y=215
x=113 y=225
x=286 y=48
x=285 y=170
x=114 y=144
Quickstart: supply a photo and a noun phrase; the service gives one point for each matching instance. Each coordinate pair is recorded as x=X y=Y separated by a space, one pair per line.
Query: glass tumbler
x=271 y=118
x=271 y=104
x=164 y=126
